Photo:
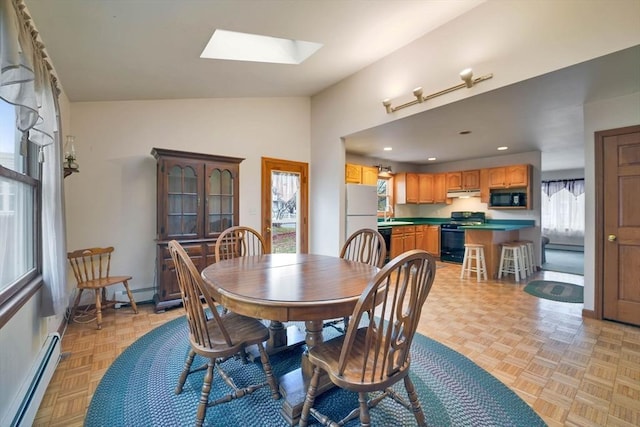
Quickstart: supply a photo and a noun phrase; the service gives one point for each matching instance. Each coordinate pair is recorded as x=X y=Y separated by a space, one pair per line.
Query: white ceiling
x=107 y=50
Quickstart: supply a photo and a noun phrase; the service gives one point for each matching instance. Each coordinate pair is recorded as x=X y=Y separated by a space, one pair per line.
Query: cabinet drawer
x=403 y=229
x=191 y=250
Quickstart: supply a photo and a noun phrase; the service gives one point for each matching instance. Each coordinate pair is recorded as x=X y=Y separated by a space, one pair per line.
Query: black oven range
x=452 y=235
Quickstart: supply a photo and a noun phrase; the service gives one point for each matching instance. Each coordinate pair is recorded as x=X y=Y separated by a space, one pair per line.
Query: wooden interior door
x=619 y=236
x=285 y=206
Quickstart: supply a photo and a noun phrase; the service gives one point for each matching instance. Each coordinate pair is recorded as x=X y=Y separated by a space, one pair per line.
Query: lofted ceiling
x=109 y=50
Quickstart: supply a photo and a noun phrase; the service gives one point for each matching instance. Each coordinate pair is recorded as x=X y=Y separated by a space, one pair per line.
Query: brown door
x=619 y=236
x=285 y=205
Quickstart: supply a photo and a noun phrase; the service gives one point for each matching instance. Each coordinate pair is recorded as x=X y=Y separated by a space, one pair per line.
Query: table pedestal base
x=293 y=388
x=280 y=339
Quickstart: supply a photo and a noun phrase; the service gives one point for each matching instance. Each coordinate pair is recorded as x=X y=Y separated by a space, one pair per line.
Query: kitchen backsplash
x=472 y=204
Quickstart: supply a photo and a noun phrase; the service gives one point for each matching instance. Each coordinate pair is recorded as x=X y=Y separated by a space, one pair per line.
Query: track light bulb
x=467 y=76
x=417 y=92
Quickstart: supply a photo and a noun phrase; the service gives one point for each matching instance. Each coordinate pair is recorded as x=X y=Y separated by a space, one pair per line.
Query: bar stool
x=532 y=255
x=474 y=251
x=511 y=260
x=525 y=258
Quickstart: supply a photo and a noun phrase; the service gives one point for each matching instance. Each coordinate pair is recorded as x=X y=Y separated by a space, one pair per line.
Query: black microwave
x=508 y=200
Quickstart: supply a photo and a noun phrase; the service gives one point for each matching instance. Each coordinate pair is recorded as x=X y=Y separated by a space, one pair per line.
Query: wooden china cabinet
x=197 y=198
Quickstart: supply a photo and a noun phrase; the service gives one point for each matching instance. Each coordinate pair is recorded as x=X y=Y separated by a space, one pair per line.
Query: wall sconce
x=70 y=164
x=466 y=75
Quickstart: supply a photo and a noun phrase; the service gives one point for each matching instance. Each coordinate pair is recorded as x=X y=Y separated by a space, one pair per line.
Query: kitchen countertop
x=490 y=225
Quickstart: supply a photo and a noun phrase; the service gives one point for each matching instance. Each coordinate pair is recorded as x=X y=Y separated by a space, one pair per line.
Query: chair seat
x=327 y=356
x=243 y=331
x=103 y=282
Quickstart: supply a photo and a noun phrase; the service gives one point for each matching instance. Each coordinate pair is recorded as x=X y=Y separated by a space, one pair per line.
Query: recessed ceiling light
x=503 y=148
x=464 y=132
x=234 y=46
x=387 y=148
x=431 y=159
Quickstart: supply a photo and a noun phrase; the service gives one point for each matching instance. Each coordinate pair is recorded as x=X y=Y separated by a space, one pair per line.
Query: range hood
x=463 y=193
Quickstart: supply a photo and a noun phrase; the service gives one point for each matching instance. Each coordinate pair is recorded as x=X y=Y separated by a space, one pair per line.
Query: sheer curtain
x=563 y=211
x=26 y=82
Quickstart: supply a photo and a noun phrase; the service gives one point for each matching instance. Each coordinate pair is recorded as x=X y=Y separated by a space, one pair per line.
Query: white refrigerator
x=362 y=207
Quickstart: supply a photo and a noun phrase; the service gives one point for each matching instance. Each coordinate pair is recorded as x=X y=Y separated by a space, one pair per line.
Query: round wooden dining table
x=290 y=287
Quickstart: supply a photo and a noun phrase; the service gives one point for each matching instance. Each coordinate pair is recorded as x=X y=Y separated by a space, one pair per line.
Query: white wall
x=112 y=201
x=609 y=114
x=512 y=40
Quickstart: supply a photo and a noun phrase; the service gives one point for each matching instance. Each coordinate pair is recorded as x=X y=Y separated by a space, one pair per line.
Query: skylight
x=234 y=46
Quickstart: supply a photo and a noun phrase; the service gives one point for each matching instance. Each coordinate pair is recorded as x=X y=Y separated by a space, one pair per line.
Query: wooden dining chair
x=91 y=268
x=217 y=337
x=367 y=246
x=239 y=241
x=376 y=355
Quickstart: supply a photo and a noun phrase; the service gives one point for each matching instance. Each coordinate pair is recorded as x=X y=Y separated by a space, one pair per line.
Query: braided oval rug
x=138 y=389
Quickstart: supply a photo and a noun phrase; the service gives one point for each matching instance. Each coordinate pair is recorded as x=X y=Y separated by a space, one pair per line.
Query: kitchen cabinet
x=403 y=238
x=369 y=175
x=407 y=188
x=465 y=180
x=454 y=181
x=197 y=198
x=471 y=180
x=358 y=174
x=484 y=185
x=428 y=238
x=425 y=187
x=440 y=188
x=516 y=176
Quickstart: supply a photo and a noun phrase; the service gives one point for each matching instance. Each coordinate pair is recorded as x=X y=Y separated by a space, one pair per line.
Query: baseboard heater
x=32 y=391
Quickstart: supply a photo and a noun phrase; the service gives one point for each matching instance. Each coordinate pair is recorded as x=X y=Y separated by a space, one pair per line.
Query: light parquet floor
x=572 y=371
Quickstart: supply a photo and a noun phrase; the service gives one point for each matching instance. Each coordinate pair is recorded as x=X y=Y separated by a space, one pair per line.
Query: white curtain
x=26 y=81
x=563 y=211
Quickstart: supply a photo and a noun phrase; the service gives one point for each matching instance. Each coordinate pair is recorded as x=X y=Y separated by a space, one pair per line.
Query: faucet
x=388 y=210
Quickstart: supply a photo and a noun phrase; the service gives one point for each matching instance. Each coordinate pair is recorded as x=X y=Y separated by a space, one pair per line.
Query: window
x=19 y=207
x=385 y=196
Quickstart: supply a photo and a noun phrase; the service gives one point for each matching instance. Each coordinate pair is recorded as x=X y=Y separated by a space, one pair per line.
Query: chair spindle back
x=394 y=301
x=366 y=246
x=239 y=241
x=191 y=289
x=90 y=264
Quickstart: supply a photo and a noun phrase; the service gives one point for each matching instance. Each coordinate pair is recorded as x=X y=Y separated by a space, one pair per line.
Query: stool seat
x=474 y=261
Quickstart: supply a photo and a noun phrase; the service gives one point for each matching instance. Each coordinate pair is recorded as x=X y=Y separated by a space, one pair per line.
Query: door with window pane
x=284 y=206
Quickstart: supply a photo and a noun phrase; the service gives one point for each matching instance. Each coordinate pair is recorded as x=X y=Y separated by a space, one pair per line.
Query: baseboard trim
x=589 y=314
x=562 y=247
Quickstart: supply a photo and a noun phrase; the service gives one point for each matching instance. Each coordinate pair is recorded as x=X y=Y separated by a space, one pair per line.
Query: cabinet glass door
x=182 y=209
x=220 y=201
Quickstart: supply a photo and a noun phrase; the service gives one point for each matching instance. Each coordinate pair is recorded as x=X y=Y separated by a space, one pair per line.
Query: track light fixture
x=384 y=170
x=466 y=75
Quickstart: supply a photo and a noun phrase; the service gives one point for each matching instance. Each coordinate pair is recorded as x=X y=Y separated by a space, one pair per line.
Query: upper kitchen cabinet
x=421 y=188
x=471 y=180
x=407 y=188
x=369 y=175
x=352 y=173
x=425 y=186
x=440 y=188
x=465 y=180
x=516 y=176
x=358 y=174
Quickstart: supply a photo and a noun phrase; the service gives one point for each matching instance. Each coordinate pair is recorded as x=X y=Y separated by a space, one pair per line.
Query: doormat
x=555 y=291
